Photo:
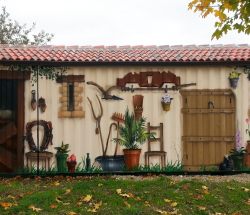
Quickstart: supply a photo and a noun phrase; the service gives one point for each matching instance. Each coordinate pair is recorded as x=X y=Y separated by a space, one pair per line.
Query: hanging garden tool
x=33 y=100
x=98 y=126
x=105 y=93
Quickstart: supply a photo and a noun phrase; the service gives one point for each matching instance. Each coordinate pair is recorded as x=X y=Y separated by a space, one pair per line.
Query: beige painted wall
x=79 y=133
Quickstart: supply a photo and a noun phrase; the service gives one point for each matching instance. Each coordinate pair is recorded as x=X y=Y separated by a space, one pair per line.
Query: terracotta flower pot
x=165 y=106
x=131 y=158
x=71 y=166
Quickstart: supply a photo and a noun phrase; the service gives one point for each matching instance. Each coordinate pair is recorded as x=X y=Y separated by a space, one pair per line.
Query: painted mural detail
x=71 y=99
x=138 y=106
x=151 y=81
x=106 y=94
x=47 y=135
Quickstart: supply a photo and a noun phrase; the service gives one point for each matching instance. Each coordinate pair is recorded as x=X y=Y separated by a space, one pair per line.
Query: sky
x=119 y=22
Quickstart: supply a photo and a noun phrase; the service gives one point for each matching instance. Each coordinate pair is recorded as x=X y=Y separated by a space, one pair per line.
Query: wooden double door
x=208 y=127
x=11 y=120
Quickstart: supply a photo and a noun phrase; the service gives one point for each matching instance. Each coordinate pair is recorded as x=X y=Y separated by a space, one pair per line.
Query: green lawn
x=123 y=195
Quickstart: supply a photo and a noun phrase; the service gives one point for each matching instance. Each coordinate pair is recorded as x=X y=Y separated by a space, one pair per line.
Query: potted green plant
x=133 y=134
x=61 y=157
x=237 y=155
x=234 y=78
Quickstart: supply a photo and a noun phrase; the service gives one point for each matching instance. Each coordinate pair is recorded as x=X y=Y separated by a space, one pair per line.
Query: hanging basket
x=233 y=82
x=165 y=106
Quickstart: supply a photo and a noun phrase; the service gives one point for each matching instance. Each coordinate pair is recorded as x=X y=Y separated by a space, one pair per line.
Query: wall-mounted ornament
x=105 y=93
x=33 y=103
x=138 y=106
x=98 y=126
x=151 y=81
x=118 y=118
x=234 y=78
x=47 y=136
x=166 y=102
x=42 y=104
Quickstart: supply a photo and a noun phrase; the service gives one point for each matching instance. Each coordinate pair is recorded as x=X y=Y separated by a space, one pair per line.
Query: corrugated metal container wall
x=80 y=132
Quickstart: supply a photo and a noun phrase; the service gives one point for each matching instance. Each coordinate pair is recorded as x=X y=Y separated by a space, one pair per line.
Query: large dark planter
x=61 y=160
x=131 y=158
x=233 y=82
x=111 y=163
x=247 y=155
x=238 y=162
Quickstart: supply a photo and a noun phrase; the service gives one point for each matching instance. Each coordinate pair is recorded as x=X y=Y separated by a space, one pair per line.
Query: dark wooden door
x=208 y=127
x=11 y=120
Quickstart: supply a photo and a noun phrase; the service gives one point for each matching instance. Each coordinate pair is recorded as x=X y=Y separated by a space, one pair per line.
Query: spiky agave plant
x=133 y=133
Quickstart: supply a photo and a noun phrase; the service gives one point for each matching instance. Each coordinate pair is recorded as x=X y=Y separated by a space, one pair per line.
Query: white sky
x=118 y=22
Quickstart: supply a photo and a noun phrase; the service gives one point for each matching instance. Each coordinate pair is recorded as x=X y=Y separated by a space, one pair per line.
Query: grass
x=110 y=195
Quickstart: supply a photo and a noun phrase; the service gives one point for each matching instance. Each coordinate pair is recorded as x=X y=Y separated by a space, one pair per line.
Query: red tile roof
x=126 y=54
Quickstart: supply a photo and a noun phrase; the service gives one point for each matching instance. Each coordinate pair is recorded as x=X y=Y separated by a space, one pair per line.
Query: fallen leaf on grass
x=53 y=206
x=137 y=198
x=167 y=200
x=67 y=191
x=201 y=208
x=79 y=203
x=198 y=196
x=230 y=188
x=96 y=207
x=205 y=189
x=118 y=191
x=173 y=204
x=185 y=186
x=56 y=183
x=248 y=202
x=237 y=213
x=66 y=203
x=11 y=197
x=146 y=203
x=127 y=204
x=58 y=199
x=172 y=182
x=161 y=212
x=87 y=198
x=71 y=213
x=32 y=207
x=6 y=205
x=127 y=195
x=245 y=189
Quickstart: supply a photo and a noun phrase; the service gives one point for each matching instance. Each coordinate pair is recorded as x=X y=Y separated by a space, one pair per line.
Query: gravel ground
x=243 y=178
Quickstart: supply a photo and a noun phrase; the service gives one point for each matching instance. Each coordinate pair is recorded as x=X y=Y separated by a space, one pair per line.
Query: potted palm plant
x=133 y=133
x=61 y=157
